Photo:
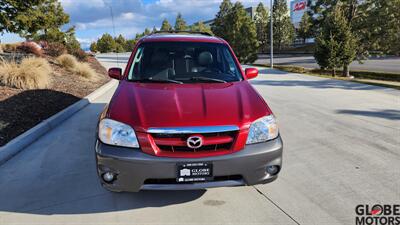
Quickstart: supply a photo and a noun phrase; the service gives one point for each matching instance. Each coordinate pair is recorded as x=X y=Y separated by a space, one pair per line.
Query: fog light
x=272 y=170
x=108 y=177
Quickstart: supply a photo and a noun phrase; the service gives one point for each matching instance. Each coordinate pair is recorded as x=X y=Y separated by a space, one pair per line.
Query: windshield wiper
x=207 y=79
x=155 y=80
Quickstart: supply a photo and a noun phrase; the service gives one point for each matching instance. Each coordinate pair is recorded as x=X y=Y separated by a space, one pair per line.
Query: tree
x=262 y=22
x=180 y=23
x=234 y=25
x=71 y=43
x=220 y=27
x=154 y=30
x=120 y=44
x=305 y=27
x=382 y=25
x=200 y=27
x=47 y=16
x=283 y=28
x=165 y=26
x=242 y=35
x=354 y=12
x=146 y=32
x=335 y=43
x=11 y=9
x=93 y=47
x=106 y=43
x=130 y=45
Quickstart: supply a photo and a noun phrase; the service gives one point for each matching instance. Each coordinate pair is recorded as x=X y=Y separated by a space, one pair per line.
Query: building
x=297 y=10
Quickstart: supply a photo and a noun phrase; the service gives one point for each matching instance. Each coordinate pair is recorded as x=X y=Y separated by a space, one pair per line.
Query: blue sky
x=92 y=18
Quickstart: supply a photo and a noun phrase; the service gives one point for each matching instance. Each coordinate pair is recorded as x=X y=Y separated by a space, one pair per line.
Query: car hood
x=145 y=105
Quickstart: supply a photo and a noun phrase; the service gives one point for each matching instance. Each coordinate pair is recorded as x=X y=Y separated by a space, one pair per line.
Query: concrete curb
x=19 y=143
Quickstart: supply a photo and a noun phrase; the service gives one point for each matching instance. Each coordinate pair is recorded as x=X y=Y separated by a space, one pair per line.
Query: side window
x=136 y=64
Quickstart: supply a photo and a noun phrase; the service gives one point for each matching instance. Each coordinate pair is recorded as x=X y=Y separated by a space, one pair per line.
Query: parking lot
x=341 y=149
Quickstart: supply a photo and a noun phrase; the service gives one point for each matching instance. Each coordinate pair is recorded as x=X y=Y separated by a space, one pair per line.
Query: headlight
x=262 y=130
x=116 y=133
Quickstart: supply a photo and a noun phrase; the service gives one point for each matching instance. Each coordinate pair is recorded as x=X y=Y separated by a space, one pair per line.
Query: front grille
x=220 y=141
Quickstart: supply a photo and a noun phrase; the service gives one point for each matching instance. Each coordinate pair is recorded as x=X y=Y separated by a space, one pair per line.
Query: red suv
x=184 y=116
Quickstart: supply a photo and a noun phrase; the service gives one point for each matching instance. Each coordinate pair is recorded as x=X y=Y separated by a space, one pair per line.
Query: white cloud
x=93 y=18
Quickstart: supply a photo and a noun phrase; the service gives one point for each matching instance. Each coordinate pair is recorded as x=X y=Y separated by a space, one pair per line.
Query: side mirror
x=115 y=73
x=251 y=73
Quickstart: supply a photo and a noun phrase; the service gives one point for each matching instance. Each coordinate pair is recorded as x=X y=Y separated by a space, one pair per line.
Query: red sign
x=299 y=6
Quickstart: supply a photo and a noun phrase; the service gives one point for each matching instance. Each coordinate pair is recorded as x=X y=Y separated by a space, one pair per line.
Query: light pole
x=271 y=57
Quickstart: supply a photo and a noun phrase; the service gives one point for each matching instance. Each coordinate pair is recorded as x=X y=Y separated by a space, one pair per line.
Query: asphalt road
x=342 y=148
x=384 y=64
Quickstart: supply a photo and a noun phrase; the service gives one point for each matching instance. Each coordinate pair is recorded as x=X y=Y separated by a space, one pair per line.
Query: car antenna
x=112 y=20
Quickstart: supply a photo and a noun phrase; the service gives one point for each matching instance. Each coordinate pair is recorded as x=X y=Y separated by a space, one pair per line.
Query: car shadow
x=57 y=175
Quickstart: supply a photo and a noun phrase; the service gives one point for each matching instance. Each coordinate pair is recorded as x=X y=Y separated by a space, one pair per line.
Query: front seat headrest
x=159 y=59
x=205 y=58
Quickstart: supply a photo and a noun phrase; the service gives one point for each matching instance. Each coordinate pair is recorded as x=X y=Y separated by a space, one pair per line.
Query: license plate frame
x=194 y=172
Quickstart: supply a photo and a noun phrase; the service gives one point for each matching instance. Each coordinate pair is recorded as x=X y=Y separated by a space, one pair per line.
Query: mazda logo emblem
x=194 y=142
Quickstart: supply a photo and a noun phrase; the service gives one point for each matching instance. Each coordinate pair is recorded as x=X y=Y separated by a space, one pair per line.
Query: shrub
x=79 y=54
x=67 y=61
x=84 y=70
x=81 y=69
x=55 y=49
x=30 y=48
x=32 y=73
x=10 y=47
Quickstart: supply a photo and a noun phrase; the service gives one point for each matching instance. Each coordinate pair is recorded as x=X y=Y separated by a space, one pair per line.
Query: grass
x=67 y=61
x=12 y=47
x=73 y=65
x=390 y=80
x=31 y=73
x=84 y=70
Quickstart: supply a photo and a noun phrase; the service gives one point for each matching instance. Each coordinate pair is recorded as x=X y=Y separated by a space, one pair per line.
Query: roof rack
x=181 y=32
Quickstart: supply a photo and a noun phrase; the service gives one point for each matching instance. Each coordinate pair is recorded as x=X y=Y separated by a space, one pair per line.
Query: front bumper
x=135 y=170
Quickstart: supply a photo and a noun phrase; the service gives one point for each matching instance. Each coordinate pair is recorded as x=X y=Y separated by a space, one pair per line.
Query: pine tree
x=165 y=26
x=12 y=9
x=106 y=43
x=200 y=27
x=48 y=16
x=130 y=45
x=283 y=28
x=382 y=25
x=93 y=47
x=120 y=43
x=262 y=22
x=242 y=35
x=305 y=27
x=221 y=26
x=146 y=32
x=335 y=43
x=180 y=23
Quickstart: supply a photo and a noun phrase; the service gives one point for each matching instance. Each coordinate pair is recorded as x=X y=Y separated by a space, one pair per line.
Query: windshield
x=183 y=62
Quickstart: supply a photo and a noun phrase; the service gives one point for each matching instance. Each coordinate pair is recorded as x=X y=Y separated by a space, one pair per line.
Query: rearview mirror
x=115 y=73
x=251 y=73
